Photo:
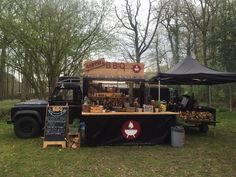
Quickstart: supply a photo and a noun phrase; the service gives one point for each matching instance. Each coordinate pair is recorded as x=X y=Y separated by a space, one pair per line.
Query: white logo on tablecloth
x=131 y=129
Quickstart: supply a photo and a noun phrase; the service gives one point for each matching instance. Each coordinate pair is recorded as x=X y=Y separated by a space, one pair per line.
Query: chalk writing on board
x=56 y=123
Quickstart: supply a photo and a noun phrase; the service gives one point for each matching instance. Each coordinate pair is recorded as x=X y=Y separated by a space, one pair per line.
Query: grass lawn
x=202 y=155
x=6 y=104
x=5 y=107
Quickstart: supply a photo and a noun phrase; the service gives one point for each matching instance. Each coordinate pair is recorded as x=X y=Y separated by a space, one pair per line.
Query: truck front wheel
x=26 y=127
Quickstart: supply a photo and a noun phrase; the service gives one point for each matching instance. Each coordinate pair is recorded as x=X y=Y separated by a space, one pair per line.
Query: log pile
x=73 y=140
x=197 y=116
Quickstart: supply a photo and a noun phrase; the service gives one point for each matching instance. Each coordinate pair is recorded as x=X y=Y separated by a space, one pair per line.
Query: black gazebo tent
x=190 y=72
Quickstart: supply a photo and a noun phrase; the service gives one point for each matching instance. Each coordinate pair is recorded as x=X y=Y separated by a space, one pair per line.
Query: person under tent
x=188 y=102
x=185 y=100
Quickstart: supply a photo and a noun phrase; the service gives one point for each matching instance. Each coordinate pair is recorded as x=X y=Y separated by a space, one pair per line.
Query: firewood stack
x=73 y=141
x=197 y=116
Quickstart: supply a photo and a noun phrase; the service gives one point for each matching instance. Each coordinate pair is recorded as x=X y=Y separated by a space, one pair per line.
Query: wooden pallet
x=46 y=143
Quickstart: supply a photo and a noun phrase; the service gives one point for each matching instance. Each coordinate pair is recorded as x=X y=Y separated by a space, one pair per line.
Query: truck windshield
x=64 y=95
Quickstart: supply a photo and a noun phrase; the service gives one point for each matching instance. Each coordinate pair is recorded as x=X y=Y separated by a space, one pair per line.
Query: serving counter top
x=129 y=113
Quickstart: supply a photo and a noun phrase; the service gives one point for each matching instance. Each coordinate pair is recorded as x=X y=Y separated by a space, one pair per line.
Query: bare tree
x=140 y=36
x=160 y=53
x=201 y=17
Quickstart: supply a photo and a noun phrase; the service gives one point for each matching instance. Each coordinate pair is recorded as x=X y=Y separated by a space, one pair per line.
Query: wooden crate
x=73 y=140
x=130 y=109
x=96 y=109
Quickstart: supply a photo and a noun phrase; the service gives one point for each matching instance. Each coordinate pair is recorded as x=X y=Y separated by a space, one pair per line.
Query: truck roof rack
x=68 y=79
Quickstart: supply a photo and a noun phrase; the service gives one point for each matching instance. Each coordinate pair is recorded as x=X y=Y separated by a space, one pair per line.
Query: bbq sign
x=102 y=68
x=131 y=130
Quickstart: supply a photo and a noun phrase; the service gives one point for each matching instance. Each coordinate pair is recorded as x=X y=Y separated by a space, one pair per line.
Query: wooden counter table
x=128 y=128
x=129 y=113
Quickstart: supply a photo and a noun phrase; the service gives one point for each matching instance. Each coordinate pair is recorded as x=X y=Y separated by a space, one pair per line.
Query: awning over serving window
x=117 y=79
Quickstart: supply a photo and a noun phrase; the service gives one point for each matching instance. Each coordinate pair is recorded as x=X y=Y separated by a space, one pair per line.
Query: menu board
x=56 y=123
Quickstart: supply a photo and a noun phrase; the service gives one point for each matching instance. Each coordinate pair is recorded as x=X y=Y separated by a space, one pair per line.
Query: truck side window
x=65 y=94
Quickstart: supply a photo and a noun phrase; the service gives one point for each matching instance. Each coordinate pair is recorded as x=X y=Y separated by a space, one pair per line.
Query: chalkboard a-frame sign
x=56 y=123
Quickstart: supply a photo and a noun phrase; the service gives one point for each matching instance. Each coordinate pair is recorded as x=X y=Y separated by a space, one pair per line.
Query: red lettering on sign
x=115 y=65
x=108 y=65
x=94 y=64
x=122 y=66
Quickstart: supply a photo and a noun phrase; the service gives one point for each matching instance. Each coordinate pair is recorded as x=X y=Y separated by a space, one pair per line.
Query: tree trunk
x=204 y=49
x=52 y=79
x=209 y=95
x=7 y=83
x=2 y=73
x=195 y=43
x=25 y=89
x=157 y=56
x=3 y=70
x=19 y=85
x=230 y=98
x=13 y=84
x=189 y=44
x=172 y=47
x=136 y=45
x=177 y=31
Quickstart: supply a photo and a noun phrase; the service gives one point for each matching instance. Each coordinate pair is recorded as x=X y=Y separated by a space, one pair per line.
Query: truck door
x=70 y=96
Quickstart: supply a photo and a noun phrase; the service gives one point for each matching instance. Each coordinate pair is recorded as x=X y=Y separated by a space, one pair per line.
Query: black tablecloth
x=111 y=130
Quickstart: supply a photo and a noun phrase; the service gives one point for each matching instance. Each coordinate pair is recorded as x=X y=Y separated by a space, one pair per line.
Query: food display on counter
x=109 y=96
x=121 y=103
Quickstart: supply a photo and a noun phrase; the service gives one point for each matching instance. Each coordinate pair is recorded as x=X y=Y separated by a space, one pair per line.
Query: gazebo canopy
x=190 y=72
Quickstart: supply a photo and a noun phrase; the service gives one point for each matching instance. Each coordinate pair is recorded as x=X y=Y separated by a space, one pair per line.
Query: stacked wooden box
x=73 y=140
